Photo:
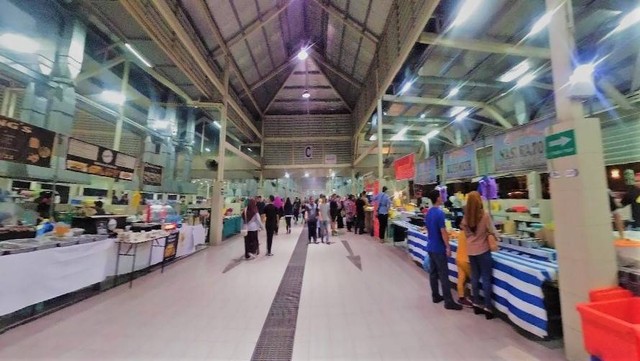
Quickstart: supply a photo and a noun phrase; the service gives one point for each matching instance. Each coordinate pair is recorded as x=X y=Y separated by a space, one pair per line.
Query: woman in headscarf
x=253 y=223
x=288 y=213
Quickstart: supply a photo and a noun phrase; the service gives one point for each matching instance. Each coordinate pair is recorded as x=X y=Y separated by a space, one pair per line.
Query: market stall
x=519 y=284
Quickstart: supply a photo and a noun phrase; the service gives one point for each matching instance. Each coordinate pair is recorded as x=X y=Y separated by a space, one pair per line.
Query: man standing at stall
x=383 y=212
x=439 y=252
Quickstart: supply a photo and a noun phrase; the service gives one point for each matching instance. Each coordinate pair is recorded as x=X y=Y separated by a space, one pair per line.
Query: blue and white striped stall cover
x=517 y=283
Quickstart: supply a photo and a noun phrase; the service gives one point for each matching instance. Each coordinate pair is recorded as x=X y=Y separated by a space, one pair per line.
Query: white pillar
x=584 y=238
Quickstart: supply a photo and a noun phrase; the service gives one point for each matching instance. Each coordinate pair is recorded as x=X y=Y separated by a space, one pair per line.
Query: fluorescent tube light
x=138 y=55
x=515 y=72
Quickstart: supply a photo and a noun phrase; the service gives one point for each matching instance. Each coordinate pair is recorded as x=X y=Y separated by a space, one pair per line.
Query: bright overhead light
x=333 y=174
x=456 y=110
x=525 y=80
x=249 y=149
x=19 y=43
x=400 y=134
x=207 y=149
x=453 y=92
x=373 y=137
x=384 y=113
x=113 y=97
x=306 y=94
x=581 y=81
x=286 y=175
x=541 y=24
x=423 y=115
x=161 y=124
x=462 y=115
x=583 y=73
x=306 y=174
x=629 y=20
x=515 y=72
x=217 y=124
x=138 y=55
x=467 y=9
x=406 y=87
x=302 y=54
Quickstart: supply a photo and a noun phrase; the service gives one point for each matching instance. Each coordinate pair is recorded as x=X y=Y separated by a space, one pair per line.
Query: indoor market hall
x=211 y=306
x=446 y=180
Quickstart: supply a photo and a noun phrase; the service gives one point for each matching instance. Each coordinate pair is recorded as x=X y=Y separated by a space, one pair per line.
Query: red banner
x=405 y=167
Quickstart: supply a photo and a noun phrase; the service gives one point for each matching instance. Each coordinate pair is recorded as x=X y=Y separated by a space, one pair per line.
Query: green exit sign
x=561 y=144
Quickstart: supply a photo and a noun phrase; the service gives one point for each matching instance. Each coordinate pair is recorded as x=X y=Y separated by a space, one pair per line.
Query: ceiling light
x=113 y=97
x=525 y=80
x=207 y=149
x=581 y=81
x=161 y=124
x=583 y=73
x=515 y=72
x=302 y=54
x=217 y=124
x=630 y=19
x=462 y=115
x=306 y=174
x=400 y=135
x=456 y=110
x=454 y=92
x=249 y=149
x=406 y=87
x=286 y=174
x=423 y=115
x=541 y=24
x=306 y=94
x=138 y=55
x=384 y=113
x=373 y=137
x=333 y=174
x=19 y=43
x=467 y=9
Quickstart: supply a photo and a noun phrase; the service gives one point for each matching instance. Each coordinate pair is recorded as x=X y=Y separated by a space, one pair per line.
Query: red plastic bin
x=609 y=294
x=612 y=329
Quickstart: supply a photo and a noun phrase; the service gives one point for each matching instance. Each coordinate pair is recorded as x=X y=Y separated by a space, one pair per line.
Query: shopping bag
x=426 y=263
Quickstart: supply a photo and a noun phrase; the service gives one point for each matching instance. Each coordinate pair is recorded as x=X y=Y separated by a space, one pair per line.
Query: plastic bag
x=426 y=263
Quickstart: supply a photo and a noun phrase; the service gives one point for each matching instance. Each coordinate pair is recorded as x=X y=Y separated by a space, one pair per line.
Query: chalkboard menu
x=171 y=245
x=24 y=143
x=88 y=158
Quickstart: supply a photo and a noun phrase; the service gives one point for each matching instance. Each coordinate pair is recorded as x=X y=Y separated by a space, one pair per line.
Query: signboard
x=88 y=158
x=152 y=175
x=308 y=152
x=521 y=148
x=427 y=171
x=24 y=143
x=330 y=159
x=561 y=144
x=460 y=163
x=171 y=245
x=405 y=167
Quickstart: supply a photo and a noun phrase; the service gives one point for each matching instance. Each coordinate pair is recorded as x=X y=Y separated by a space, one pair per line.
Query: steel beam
x=228 y=146
x=217 y=35
x=484 y=46
x=425 y=79
x=320 y=59
x=615 y=95
x=308 y=166
x=105 y=66
x=347 y=20
x=307 y=139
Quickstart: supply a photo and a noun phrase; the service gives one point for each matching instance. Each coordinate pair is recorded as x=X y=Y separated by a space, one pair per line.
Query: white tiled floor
x=195 y=312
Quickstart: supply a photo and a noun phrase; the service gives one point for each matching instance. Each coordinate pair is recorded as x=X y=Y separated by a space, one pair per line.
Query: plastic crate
x=612 y=329
x=609 y=294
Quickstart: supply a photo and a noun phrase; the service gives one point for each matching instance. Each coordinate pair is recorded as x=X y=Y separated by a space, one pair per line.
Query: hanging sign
x=427 y=171
x=88 y=158
x=460 y=163
x=24 y=143
x=330 y=159
x=152 y=175
x=561 y=144
x=521 y=148
x=405 y=167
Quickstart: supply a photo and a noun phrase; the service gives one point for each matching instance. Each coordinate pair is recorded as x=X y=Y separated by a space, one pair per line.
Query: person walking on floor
x=341 y=212
x=478 y=227
x=311 y=217
x=334 y=213
x=350 y=211
x=296 y=209
x=251 y=218
x=325 y=218
x=280 y=209
x=288 y=214
x=384 y=203
x=439 y=252
x=271 y=224
x=361 y=202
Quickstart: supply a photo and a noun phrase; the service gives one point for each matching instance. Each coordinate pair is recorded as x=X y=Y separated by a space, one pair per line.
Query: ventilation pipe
x=189 y=139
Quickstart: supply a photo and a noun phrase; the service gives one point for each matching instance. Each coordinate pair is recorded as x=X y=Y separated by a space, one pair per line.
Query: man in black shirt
x=271 y=213
x=633 y=198
x=260 y=203
x=360 y=204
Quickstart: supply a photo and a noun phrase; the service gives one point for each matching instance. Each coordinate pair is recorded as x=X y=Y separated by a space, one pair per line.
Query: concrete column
x=34 y=105
x=586 y=255
x=380 y=143
x=189 y=139
x=124 y=85
x=217 y=197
